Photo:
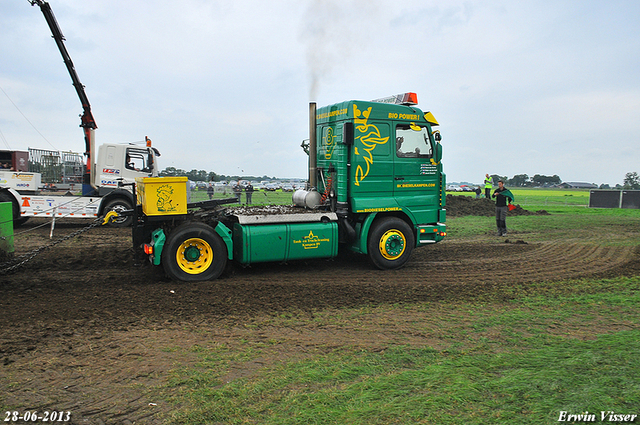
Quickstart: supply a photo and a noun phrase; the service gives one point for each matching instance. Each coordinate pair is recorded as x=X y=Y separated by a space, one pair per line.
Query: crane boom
x=87 y=122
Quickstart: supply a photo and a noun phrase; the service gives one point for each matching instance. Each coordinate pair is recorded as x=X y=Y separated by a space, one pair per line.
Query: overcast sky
x=544 y=87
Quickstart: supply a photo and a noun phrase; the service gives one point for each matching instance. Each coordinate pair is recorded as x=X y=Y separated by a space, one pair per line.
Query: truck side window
x=412 y=141
x=135 y=160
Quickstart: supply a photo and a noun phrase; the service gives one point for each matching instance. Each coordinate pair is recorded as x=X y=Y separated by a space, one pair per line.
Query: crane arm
x=87 y=116
x=87 y=122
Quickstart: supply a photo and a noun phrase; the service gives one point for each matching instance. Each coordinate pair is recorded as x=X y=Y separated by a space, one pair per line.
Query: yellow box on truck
x=162 y=195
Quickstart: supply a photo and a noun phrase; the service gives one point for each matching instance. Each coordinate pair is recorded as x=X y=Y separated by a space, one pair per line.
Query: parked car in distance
x=299 y=185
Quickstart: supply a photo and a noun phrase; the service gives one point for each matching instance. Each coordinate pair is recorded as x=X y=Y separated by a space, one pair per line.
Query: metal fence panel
x=604 y=199
x=614 y=199
x=631 y=199
x=56 y=166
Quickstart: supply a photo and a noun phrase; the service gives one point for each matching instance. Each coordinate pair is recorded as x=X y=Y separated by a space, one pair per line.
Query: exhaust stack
x=313 y=166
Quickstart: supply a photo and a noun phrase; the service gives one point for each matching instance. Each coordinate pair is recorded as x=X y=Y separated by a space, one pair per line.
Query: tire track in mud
x=99 y=283
x=511 y=263
x=446 y=263
x=107 y=252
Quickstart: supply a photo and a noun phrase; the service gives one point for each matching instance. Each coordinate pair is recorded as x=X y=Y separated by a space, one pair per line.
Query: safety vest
x=488 y=184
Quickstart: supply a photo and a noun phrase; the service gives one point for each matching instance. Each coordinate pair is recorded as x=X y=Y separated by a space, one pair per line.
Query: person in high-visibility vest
x=488 y=184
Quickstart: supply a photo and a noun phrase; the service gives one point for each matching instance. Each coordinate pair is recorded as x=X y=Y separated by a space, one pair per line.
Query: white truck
x=116 y=163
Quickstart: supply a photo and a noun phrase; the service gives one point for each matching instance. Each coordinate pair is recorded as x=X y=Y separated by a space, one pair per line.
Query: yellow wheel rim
x=194 y=256
x=392 y=244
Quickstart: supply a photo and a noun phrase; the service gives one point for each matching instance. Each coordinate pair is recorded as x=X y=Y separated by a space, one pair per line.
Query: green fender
x=360 y=244
x=158 y=238
x=227 y=236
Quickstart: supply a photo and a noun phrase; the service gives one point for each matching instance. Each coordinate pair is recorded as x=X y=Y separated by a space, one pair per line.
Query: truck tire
x=194 y=252
x=119 y=205
x=390 y=243
x=17 y=220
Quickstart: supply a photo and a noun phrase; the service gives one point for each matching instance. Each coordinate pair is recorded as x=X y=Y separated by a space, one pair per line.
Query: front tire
x=194 y=252
x=390 y=243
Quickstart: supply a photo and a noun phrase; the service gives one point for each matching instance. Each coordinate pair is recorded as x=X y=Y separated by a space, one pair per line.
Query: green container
x=284 y=241
x=6 y=229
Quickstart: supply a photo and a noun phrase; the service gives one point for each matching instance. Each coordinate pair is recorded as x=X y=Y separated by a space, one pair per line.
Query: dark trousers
x=487 y=192
x=501 y=220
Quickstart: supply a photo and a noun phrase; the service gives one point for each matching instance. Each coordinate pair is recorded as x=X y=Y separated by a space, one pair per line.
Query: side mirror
x=437 y=136
x=437 y=153
x=347 y=133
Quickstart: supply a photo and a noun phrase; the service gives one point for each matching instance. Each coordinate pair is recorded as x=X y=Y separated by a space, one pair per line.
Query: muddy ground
x=83 y=329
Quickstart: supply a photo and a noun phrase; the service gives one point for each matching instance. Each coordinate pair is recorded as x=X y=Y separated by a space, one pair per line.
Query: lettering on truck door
x=416 y=177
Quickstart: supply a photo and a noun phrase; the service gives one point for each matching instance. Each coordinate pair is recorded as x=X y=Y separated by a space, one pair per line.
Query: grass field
x=506 y=363
x=261 y=197
x=574 y=201
x=548 y=348
x=526 y=197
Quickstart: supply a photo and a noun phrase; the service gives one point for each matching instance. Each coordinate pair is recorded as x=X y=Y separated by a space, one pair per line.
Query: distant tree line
x=206 y=176
x=631 y=181
x=523 y=180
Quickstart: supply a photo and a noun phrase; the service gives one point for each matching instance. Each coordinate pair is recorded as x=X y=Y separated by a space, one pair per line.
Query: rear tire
x=194 y=252
x=119 y=205
x=390 y=243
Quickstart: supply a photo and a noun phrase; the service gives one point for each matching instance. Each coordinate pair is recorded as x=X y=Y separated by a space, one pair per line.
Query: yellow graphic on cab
x=328 y=140
x=370 y=138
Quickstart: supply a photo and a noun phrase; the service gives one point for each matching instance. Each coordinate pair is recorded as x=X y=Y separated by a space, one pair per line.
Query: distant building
x=577 y=185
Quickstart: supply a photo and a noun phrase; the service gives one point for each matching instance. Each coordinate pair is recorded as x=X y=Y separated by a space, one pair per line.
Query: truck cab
x=123 y=163
x=382 y=160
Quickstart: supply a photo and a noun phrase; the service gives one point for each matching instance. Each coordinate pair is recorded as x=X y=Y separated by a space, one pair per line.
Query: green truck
x=375 y=186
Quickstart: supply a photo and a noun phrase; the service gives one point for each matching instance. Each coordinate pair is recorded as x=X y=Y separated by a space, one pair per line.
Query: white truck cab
x=123 y=163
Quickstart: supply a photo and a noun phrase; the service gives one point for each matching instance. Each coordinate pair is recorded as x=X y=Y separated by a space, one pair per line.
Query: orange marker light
x=411 y=98
x=148 y=249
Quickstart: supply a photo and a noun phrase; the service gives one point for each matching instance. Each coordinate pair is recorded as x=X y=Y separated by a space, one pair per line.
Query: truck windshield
x=412 y=141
